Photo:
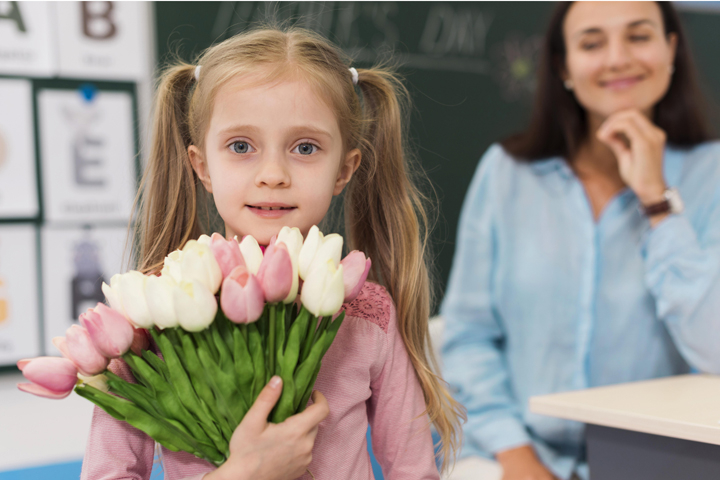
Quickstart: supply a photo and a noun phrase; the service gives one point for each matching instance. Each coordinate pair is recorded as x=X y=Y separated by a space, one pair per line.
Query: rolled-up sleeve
x=683 y=273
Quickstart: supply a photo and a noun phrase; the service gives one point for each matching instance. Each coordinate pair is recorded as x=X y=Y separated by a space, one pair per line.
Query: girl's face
x=618 y=56
x=273 y=157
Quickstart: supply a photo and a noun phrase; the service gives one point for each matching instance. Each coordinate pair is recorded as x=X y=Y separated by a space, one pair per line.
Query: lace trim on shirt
x=373 y=304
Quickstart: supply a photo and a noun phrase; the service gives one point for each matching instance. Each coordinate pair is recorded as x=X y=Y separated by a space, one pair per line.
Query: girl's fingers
x=256 y=417
x=313 y=415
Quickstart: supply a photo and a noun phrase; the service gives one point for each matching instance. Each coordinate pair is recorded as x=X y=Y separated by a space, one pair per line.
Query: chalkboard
x=469 y=67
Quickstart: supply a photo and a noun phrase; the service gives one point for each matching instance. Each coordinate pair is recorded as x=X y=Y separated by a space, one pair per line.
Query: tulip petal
x=132 y=295
x=42 y=391
x=251 y=253
x=159 y=297
x=83 y=353
x=226 y=252
x=276 y=273
x=52 y=373
x=195 y=306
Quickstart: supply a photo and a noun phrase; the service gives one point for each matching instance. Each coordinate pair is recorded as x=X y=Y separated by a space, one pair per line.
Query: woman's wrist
x=651 y=195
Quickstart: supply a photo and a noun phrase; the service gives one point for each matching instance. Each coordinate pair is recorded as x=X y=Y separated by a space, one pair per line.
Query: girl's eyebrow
x=309 y=130
x=299 y=130
x=237 y=128
x=634 y=24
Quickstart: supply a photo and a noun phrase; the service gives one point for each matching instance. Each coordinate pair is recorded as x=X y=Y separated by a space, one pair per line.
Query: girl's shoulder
x=374 y=305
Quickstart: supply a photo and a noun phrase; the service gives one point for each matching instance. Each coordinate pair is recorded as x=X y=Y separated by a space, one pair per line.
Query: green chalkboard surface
x=469 y=67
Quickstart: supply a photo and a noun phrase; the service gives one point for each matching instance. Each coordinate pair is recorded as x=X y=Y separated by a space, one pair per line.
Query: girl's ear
x=200 y=166
x=347 y=169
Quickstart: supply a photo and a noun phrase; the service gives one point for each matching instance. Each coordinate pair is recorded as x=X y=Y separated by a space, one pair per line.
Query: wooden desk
x=665 y=429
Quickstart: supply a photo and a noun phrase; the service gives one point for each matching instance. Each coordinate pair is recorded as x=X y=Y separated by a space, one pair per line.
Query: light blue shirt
x=542 y=298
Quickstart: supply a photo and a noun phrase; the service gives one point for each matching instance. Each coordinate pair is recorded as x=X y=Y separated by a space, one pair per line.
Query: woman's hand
x=266 y=451
x=521 y=463
x=638 y=146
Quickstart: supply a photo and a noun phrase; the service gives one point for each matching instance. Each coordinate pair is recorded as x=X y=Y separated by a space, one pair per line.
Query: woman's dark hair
x=558 y=124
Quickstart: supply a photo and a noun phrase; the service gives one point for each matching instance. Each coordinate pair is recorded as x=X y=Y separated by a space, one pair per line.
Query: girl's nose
x=273 y=172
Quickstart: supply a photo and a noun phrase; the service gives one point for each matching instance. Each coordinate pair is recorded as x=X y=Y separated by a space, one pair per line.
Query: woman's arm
x=683 y=274
x=682 y=259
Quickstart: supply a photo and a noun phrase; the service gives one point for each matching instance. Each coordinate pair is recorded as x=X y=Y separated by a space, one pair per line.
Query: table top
x=685 y=407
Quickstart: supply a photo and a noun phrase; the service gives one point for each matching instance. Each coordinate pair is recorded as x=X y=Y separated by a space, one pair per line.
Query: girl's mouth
x=270 y=210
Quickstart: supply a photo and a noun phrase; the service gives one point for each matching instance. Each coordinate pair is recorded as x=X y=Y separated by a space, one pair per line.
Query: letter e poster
x=87 y=151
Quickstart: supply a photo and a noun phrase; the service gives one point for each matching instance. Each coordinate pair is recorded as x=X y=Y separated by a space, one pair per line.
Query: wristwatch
x=672 y=204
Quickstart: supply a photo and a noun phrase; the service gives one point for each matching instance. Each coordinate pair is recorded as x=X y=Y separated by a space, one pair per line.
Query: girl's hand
x=638 y=146
x=266 y=451
x=521 y=463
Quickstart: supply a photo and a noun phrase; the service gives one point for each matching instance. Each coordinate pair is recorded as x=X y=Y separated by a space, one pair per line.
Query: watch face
x=673 y=197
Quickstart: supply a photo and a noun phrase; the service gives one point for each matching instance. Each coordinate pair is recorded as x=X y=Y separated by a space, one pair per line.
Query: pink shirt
x=367 y=378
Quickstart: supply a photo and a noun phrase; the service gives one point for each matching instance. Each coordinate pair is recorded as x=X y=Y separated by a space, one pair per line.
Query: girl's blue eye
x=241 y=147
x=306 y=149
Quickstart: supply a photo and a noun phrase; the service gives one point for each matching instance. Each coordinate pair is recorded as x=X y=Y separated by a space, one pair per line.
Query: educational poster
x=87 y=151
x=102 y=40
x=18 y=182
x=19 y=299
x=76 y=261
x=27 y=45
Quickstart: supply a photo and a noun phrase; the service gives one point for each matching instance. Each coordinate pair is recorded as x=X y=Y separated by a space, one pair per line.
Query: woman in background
x=588 y=249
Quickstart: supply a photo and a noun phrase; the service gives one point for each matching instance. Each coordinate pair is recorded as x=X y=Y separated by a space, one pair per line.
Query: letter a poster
x=87 y=151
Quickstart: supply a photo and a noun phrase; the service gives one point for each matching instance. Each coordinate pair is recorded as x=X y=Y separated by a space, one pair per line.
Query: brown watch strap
x=657 y=208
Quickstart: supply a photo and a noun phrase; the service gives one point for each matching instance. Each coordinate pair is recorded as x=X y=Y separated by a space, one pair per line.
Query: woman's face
x=618 y=56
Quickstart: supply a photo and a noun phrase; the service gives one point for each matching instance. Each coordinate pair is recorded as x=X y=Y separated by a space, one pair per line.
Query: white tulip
x=131 y=293
x=195 y=305
x=310 y=246
x=204 y=240
x=323 y=291
x=194 y=262
x=318 y=249
x=112 y=294
x=159 y=297
x=293 y=240
x=171 y=266
x=252 y=253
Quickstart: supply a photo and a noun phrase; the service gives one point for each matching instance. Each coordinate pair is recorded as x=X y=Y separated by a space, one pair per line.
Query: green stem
x=271 y=342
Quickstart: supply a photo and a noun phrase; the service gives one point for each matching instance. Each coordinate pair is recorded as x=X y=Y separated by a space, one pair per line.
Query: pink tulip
x=242 y=299
x=141 y=341
x=275 y=274
x=110 y=332
x=83 y=353
x=51 y=377
x=355 y=271
x=226 y=252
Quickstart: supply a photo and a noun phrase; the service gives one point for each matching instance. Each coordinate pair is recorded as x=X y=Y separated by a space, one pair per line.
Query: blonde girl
x=272 y=124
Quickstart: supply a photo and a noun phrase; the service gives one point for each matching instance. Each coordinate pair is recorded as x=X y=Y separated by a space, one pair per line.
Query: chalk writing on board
x=452 y=38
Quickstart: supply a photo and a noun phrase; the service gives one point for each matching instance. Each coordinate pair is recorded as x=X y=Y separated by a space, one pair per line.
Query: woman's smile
x=622 y=83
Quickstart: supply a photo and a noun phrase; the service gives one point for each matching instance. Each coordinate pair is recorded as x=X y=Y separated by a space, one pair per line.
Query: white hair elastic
x=197 y=73
x=354 y=75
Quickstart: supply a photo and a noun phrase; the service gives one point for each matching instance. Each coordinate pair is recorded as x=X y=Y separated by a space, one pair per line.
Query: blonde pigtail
x=168 y=191
x=384 y=212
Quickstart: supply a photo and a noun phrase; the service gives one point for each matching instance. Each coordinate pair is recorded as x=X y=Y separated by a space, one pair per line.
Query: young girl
x=273 y=124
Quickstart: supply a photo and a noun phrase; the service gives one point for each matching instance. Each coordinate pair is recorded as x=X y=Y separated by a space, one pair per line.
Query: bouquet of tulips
x=224 y=317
